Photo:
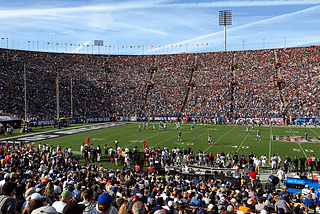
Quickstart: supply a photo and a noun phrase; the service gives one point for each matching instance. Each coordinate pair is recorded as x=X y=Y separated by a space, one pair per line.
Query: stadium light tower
x=225 y=18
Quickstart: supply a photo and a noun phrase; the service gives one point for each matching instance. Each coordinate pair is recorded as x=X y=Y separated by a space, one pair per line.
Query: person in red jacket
x=253 y=176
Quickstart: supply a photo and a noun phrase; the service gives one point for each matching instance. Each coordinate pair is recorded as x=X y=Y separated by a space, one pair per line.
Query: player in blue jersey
x=258 y=135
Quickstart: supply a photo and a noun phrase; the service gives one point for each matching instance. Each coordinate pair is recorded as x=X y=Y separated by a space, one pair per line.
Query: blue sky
x=141 y=26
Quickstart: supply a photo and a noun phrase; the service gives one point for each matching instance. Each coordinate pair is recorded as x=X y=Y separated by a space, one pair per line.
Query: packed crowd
x=50 y=180
x=157 y=85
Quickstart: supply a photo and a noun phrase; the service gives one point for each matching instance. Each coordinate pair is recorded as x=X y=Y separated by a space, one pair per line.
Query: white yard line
x=220 y=138
x=299 y=145
x=242 y=143
x=315 y=132
x=270 y=143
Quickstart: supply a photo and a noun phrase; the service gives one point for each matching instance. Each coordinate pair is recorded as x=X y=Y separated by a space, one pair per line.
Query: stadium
x=186 y=131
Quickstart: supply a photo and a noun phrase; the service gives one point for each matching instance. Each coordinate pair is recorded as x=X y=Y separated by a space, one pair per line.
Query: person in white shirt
x=281 y=175
x=258 y=163
x=305 y=191
x=274 y=162
x=66 y=197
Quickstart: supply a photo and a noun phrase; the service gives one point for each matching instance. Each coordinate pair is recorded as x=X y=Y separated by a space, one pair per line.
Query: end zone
x=295 y=139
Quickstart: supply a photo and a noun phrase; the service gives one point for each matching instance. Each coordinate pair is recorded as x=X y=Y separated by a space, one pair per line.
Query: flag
x=13 y=40
x=87 y=45
x=75 y=44
x=57 y=43
x=32 y=41
x=122 y=46
x=126 y=46
x=207 y=43
x=48 y=43
x=110 y=46
x=211 y=43
x=171 y=45
x=70 y=44
x=61 y=44
x=180 y=45
x=52 y=43
x=114 y=46
x=2 y=38
x=147 y=46
x=28 y=41
x=130 y=46
x=138 y=46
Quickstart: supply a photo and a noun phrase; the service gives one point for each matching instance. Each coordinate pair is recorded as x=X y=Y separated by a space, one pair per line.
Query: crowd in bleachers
x=49 y=180
x=118 y=85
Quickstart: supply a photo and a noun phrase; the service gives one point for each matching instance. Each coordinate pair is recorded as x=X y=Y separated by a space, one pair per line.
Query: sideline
x=31 y=138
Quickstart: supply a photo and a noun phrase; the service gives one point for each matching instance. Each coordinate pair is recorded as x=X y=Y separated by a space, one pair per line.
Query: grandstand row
x=259 y=83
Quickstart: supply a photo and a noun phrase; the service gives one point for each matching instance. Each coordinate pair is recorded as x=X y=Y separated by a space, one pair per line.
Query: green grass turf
x=227 y=138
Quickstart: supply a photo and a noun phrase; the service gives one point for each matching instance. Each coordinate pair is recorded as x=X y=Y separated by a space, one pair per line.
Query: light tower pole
x=225 y=18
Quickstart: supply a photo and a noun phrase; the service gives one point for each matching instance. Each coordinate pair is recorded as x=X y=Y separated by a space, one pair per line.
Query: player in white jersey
x=229 y=159
x=178 y=158
x=154 y=127
x=264 y=160
x=274 y=160
x=247 y=130
x=278 y=160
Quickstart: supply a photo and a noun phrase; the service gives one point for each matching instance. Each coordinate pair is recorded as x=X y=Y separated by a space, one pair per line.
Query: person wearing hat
x=305 y=191
x=104 y=204
x=7 y=202
x=66 y=197
x=135 y=198
x=210 y=209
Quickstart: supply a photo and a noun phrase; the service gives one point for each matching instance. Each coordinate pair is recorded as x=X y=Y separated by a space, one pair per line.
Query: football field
x=282 y=140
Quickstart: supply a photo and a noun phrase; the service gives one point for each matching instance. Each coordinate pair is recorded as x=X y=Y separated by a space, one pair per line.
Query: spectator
x=7 y=202
x=66 y=197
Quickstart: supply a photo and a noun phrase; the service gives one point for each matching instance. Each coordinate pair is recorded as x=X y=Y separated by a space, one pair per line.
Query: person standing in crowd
x=7 y=202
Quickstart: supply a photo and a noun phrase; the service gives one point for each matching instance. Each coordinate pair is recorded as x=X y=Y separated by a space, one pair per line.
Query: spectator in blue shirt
x=196 y=201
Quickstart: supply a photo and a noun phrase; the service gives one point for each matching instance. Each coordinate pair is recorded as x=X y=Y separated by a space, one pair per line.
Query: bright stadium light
x=225 y=18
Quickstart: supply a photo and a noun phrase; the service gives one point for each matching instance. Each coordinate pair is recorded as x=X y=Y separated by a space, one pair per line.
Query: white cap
x=210 y=207
x=7 y=175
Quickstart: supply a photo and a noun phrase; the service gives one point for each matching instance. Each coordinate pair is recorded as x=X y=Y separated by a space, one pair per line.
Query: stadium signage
x=296 y=139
